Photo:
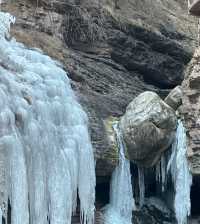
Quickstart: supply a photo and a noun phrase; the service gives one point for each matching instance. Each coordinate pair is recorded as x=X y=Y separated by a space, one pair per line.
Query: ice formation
x=181 y=176
x=122 y=202
x=176 y=163
x=141 y=186
x=45 y=149
x=161 y=172
x=1 y=215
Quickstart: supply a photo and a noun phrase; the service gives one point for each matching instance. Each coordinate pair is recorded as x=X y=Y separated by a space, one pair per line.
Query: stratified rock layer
x=148 y=128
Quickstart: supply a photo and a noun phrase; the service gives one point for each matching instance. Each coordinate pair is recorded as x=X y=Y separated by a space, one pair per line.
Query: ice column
x=121 y=195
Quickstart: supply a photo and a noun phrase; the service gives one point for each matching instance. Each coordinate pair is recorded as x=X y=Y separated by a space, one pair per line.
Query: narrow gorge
x=99 y=112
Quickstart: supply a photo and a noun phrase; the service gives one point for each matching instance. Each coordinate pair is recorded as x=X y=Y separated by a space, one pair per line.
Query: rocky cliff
x=191 y=112
x=112 y=49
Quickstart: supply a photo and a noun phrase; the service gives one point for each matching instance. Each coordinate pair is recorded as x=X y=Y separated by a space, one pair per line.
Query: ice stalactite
x=46 y=152
x=122 y=202
x=1 y=216
x=161 y=169
x=141 y=186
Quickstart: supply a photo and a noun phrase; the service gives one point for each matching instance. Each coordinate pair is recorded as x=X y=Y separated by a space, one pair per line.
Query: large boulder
x=148 y=128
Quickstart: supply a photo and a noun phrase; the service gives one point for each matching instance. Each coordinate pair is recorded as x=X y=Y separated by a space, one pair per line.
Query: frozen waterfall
x=176 y=162
x=181 y=176
x=121 y=195
x=46 y=157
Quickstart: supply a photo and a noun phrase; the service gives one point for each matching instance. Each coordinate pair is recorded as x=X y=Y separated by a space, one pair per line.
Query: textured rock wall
x=191 y=111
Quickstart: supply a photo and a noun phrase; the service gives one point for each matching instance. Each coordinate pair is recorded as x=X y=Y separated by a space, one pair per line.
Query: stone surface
x=191 y=111
x=113 y=50
x=148 y=128
x=110 y=157
x=174 y=99
x=155 y=211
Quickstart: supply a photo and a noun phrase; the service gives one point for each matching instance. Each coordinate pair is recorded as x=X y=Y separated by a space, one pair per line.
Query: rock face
x=113 y=50
x=191 y=111
x=174 y=99
x=155 y=211
x=110 y=158
x=148 y=128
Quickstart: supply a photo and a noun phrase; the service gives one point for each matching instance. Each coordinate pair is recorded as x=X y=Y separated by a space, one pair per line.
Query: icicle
x=5 y=21
x=44 y=137
x=18 y=180
x=1 y=216
x=4 y=186
x=158 y=172
x=163 y=172
x=141 y=185
x=172 y=156
x=71 y=157
x=121 y=196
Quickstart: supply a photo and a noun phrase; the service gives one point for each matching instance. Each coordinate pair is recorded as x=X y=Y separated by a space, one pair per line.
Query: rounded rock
x=148 y=128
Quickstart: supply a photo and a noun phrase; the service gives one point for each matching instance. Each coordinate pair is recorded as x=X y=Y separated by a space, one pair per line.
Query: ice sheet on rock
x=44 y=137
x=121 y=202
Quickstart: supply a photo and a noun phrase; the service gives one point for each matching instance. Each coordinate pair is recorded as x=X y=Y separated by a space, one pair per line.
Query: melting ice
x=121 y=195
x=45 y=150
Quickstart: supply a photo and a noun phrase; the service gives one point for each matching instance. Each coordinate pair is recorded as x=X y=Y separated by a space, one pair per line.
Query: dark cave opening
x=150 y=182
x=195 y=196
x=102 y=194
x=3 y=220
